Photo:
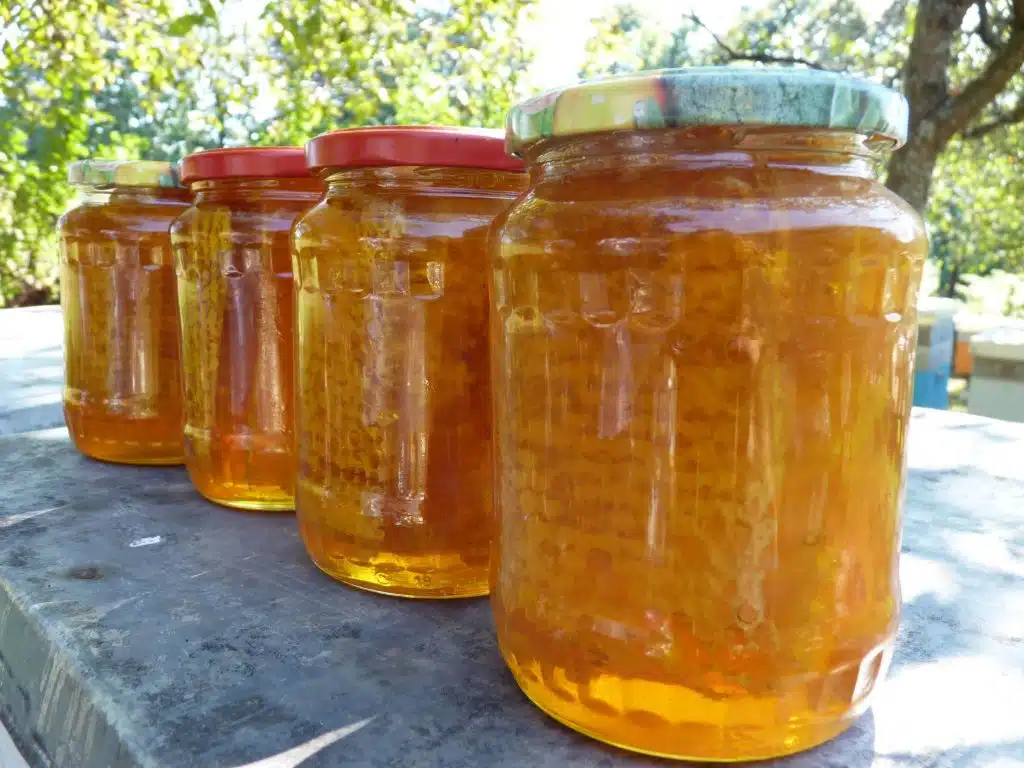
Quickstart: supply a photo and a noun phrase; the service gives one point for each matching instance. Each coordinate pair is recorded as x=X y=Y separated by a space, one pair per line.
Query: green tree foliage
x=620 y=42
x=162 y=78
x=79 y=78
x=55 y=57
x=623 y=40
x=975 y=209
x=392 y=62
x=834 y=35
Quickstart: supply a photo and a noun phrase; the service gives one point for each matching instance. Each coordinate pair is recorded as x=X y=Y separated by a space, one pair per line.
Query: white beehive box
x=997 y=384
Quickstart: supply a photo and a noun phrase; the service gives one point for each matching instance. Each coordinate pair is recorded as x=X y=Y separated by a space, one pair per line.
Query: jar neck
x=479 y=182
x=306 y=188
x=136 y=195
x=710 y=147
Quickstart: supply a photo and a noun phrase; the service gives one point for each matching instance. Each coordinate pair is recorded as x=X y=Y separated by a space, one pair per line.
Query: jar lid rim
x=123 y=173
x=244 y=162
x=724 y=95
x=411 y=145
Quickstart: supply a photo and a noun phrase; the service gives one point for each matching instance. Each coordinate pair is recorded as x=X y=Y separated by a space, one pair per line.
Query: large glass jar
x=394 y=412
x=234 y=265
x=704 y=329
x=122 y=381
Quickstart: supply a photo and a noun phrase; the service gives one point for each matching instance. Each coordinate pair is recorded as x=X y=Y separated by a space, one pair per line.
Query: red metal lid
x=411 y=145
x=245 y=162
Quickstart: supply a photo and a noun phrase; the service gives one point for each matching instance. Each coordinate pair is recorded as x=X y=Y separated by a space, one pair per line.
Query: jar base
x=122 y=439
x=772 y=743
x=144 y=461
x=240 y=472
x=253 y=503
x=401 y=584
x=410 y=568
x=111 y=452
x=248 y=505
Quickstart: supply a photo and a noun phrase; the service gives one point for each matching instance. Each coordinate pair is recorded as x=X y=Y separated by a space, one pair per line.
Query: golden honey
x=703 y=353
x=393 y=400
x=235 y=289
x=122 y=391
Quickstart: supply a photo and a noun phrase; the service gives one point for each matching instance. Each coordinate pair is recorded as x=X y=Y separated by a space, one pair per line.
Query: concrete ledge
x=142 y=626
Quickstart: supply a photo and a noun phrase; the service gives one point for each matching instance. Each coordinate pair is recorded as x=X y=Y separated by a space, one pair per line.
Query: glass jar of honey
x=393 y=408
x=703 y=316
x=122 y=383
x=234 y=266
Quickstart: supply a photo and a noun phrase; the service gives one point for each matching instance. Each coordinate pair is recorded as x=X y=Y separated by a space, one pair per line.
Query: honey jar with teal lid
x=122 y=391
x=108 y=174
x=703 y=332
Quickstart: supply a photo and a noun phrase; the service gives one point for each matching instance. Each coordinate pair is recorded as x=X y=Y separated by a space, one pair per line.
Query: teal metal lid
x=670 y=98
x=123 y=173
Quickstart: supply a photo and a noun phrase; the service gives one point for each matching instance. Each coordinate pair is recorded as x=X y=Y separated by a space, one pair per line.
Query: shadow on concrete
x=32 y=418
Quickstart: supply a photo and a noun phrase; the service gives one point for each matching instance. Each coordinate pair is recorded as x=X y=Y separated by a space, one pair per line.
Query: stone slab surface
x=140 y=625
x=31 y=369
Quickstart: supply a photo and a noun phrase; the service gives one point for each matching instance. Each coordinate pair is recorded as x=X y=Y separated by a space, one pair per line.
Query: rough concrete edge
x=63 y=725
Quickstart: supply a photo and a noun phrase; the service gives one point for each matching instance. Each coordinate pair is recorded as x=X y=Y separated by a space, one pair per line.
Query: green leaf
x=183 y=25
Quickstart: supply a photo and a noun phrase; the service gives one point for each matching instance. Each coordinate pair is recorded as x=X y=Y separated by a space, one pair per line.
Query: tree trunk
x=926 y=83
x=937 y=114
x=910 y=171
x=949 y=279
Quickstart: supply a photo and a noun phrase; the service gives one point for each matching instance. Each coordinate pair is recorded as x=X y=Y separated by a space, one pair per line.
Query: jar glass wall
x=122 y=384
x=704 y=339
x=235 y=287
x=393 y=409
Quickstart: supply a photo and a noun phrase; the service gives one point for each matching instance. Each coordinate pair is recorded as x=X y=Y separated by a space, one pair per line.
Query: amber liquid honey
x=702 y=372
x=394 y=412
x=236 y=295
x=122 y=390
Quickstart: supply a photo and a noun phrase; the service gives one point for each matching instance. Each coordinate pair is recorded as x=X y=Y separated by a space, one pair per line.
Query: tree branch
x=1015 y=115
x=766 y=58
x=982 y=90
x=984 y=29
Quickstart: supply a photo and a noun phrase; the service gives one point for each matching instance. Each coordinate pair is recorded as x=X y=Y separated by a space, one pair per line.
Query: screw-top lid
x=669 y=98
x=123 y=173
x=411 y=145
x=244 y=163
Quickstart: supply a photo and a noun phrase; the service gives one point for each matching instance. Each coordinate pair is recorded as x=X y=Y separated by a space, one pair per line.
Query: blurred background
x=163 y=78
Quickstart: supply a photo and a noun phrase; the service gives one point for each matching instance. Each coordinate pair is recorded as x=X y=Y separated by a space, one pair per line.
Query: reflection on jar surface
x=394 y=413
x=235 y=286
x=122 y=388
x=702 y=369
